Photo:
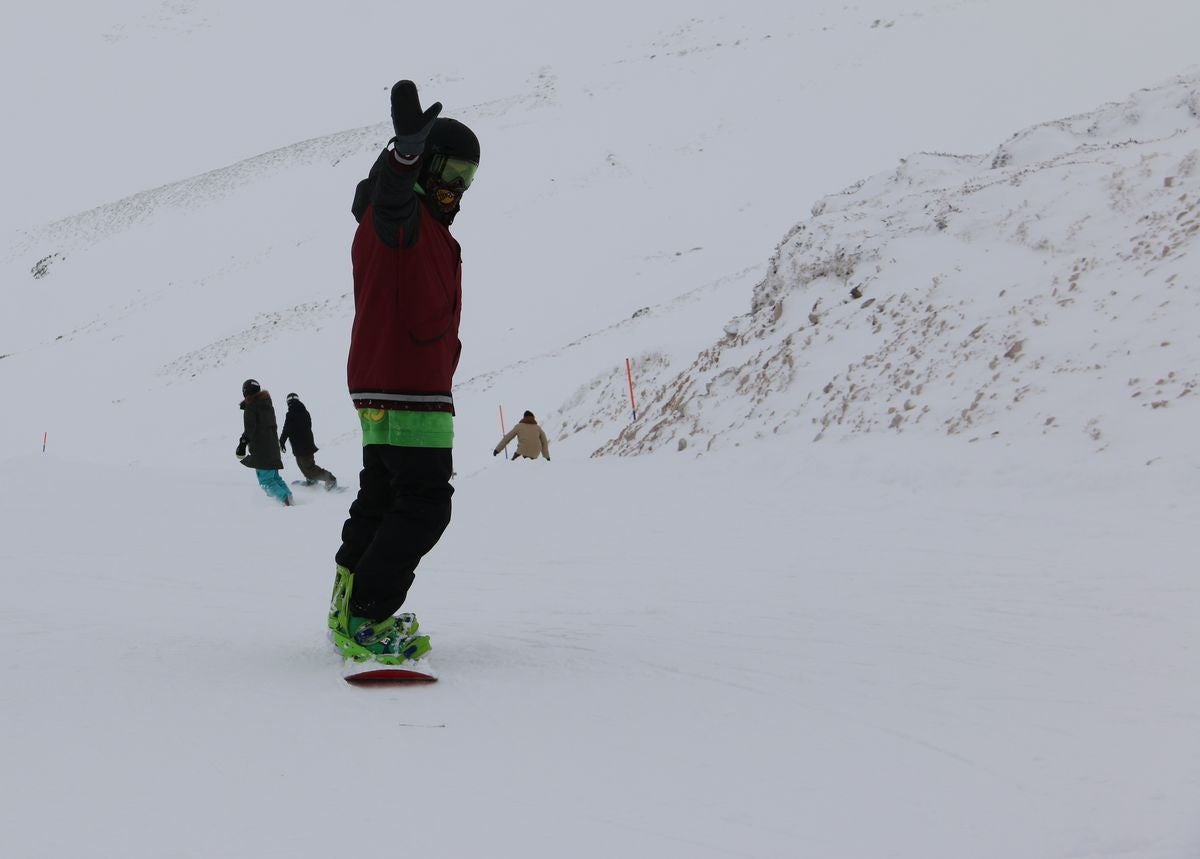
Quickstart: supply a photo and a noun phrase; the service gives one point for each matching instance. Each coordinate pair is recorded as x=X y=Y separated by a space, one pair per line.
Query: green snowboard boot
x=339 y=603
x=390 y=641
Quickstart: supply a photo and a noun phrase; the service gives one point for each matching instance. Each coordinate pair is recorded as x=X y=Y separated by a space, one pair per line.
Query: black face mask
x=443 y=200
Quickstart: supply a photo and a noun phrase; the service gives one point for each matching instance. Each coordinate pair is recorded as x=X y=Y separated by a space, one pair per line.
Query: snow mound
x=1043 y=288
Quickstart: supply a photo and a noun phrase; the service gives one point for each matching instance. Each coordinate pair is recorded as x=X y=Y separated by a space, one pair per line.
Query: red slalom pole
x=46 y=433
x=629 y=376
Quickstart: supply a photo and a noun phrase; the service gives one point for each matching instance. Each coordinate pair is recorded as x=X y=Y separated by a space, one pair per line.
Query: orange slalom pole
x=503 y=431
x=629 y=376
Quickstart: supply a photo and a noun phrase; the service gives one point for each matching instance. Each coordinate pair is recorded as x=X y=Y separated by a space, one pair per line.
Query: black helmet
x=293 y=396
x=250 y=386
x=451 y=138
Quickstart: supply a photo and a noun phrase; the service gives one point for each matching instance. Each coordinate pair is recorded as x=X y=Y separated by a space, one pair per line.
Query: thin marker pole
x=503 y=431
x=629 y=376
x=46 y=433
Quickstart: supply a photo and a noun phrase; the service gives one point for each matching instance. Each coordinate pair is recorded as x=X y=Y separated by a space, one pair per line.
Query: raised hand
x=410 y=123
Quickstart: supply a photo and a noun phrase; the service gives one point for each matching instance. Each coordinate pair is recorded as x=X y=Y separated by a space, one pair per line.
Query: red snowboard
x=364 y=673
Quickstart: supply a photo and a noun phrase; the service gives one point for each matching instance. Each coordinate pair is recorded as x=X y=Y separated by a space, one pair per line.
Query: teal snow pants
x=273 y=485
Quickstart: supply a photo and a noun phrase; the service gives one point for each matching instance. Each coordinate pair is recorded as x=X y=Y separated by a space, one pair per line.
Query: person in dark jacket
x=258 y=447
x=297 y=426
x=404 y=349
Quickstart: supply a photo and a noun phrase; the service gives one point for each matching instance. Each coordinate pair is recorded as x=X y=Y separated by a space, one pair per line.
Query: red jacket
x=404 y=345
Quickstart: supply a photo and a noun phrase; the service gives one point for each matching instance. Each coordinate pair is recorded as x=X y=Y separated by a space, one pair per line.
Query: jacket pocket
x=439 y=320
x=433 y=331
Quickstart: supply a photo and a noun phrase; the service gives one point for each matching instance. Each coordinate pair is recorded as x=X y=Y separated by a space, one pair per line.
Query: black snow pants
x=402 y=508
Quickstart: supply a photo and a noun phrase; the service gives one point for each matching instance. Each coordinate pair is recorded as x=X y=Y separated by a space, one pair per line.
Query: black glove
x=495 y=453
x=240 y=453
x=410 y=123
x=282 y=449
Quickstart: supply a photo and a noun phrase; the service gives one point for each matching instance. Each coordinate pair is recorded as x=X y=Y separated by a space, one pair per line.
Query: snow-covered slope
x=1045 y=288
x=646 y=169
x=892 y=642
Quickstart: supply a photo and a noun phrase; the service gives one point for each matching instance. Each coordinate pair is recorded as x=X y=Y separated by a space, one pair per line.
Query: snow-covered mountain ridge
x=1036 y=289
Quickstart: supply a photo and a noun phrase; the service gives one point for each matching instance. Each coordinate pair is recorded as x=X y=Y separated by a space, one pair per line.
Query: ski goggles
x=450 y=170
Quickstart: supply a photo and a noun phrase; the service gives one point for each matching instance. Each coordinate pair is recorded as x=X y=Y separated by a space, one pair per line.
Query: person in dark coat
x=297 y=426
x=404 y=349
x=258 y=448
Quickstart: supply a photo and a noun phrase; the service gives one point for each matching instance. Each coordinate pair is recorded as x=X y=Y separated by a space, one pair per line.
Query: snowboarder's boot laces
x=391 y=640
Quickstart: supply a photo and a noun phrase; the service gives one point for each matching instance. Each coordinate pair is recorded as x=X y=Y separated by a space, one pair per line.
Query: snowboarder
x=531 y=439
x=404 y=349
x=297 y=426
x=259 y=434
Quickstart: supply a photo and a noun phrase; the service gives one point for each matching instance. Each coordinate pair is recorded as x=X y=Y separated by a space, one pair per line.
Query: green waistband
x=401 y=428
